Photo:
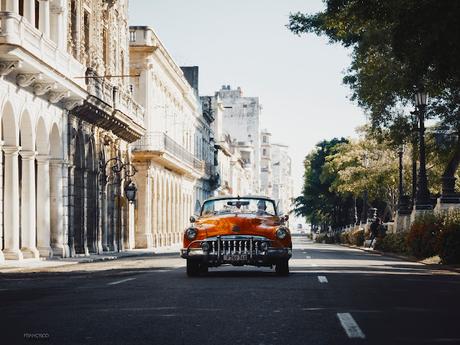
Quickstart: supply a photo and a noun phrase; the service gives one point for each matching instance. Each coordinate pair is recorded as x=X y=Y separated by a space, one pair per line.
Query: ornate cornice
x=42 y=88
x=56 y=96
x=26 y=79
x=6 y=67
x=72 y=103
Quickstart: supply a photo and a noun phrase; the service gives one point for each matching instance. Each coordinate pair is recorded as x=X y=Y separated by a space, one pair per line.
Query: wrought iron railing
x=159 y=141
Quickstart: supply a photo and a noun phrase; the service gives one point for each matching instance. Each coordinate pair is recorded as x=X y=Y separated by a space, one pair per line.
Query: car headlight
x=281 y=233
x=191 y=233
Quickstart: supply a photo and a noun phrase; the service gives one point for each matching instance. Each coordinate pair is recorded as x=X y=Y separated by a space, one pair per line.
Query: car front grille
x=248 y=246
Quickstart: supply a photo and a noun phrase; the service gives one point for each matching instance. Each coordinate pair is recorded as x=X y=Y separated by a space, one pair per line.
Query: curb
x=405 y=258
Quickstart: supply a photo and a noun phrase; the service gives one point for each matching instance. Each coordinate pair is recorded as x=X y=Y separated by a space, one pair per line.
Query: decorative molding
x=26 y=79
x=56 y=96
x=72 y=103
x=6 y=67
x=42 y=88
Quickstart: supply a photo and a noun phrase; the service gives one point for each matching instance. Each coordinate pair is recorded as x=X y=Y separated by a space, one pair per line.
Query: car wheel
x=193 y=268
x=203 y=268
x=282 y=268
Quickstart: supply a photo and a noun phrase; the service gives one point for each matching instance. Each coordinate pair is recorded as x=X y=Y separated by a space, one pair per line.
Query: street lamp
x=422 y=200
x=364 y=209
x=130 y=191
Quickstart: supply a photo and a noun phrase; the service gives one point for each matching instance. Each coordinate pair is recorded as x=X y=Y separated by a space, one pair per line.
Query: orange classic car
x=237 y=231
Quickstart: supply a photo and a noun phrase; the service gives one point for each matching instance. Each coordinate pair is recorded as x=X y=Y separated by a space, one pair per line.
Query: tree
x=398 y=45
x=321 y=205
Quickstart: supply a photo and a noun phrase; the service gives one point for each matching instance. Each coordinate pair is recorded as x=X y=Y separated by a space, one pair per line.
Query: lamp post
x=364 y=209
x=400 y=187
x=414 y=116
x=422 y=200
x=130 y=192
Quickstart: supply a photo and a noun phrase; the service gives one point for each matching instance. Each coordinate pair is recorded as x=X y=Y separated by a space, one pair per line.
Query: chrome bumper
x=236 y=250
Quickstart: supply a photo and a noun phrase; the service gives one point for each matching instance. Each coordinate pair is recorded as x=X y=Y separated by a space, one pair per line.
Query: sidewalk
x=435 y=266
x=16 y=266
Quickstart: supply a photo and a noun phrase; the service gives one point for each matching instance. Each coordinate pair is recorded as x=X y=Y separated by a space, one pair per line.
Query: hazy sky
x=245 y=43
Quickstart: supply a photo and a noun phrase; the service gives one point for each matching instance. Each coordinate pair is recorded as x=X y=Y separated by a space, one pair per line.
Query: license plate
x=235 y=257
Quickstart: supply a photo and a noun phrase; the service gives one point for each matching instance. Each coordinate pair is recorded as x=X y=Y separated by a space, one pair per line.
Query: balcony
x=162 y=148
x=30 y=58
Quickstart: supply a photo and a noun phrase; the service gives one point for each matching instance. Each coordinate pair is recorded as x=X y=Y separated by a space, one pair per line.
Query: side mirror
x=192 y=219
x=197 y=207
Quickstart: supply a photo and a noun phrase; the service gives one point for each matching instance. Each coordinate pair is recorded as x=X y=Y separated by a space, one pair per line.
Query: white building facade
x=165 y=157
x=283 y=186
x=60 y=121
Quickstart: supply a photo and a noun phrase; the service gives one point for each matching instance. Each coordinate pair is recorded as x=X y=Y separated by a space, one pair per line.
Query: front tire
x=282 y=268
x=193 y=268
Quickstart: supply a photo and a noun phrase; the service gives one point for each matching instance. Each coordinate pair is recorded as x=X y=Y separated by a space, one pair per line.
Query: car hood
x=238 y=224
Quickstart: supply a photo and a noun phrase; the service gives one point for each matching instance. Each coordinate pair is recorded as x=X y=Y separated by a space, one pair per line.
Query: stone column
x=11 y=204
x=28 y=226
x=144 y=226
x=29 y=11
x=12 y=6
x=57 y=29
x=58 y=243
x=44 y=18
x=104 y=218
x=2 y=258
x=155 y=208
x=43 y=206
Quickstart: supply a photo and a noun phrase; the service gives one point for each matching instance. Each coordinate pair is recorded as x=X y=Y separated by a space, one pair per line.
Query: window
x=37 y=13
x=264 y=152
x=73 y=26
x=132 y=36
x=86 y=24
x=264 y=139
x=21 y=7
x=104 y=47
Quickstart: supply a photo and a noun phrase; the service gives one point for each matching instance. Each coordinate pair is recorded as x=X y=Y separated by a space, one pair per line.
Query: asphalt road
x=334 y=295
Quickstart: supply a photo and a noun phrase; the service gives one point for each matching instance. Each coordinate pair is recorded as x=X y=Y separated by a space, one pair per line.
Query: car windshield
x=250 y=205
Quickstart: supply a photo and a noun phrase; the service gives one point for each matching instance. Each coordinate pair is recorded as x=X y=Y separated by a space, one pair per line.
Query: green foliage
x=354 y=237
x=393 y=243
x=423 y=236
x=319 y=203
x=449 y=239
x=397 y=46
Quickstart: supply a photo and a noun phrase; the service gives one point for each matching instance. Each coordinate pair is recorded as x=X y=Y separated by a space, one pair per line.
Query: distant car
x=237 y=231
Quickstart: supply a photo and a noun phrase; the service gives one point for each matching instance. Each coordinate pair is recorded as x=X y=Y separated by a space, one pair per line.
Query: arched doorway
x=79 y=196
x=91 y=197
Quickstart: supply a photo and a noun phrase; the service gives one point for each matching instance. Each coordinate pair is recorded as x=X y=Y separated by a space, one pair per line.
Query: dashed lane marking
x=322 y=279
x=314 y=265
x=350 y=326
x=121 y=281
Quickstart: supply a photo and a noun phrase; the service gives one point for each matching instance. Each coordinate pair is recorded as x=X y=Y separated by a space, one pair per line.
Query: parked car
x=237 y=231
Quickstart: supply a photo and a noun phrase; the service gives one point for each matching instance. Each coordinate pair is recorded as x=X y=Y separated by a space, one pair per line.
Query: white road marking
x=121 y=281
x=322 y=279
x=314 y=265
x=308 y=257
x=350 y=326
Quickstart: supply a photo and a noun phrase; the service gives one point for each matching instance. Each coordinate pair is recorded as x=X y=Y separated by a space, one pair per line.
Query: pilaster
x=58 y=244
x=43 y=206
x=28 y=216
x=11 y=204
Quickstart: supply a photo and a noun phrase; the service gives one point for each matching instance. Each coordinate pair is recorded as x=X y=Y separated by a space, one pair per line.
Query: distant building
x=283 y=190
x=241 y=120
x=266 y=178
x=171 y=157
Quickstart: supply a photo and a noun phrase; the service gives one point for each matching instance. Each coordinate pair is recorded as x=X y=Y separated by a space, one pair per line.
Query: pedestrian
x=375 y=228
